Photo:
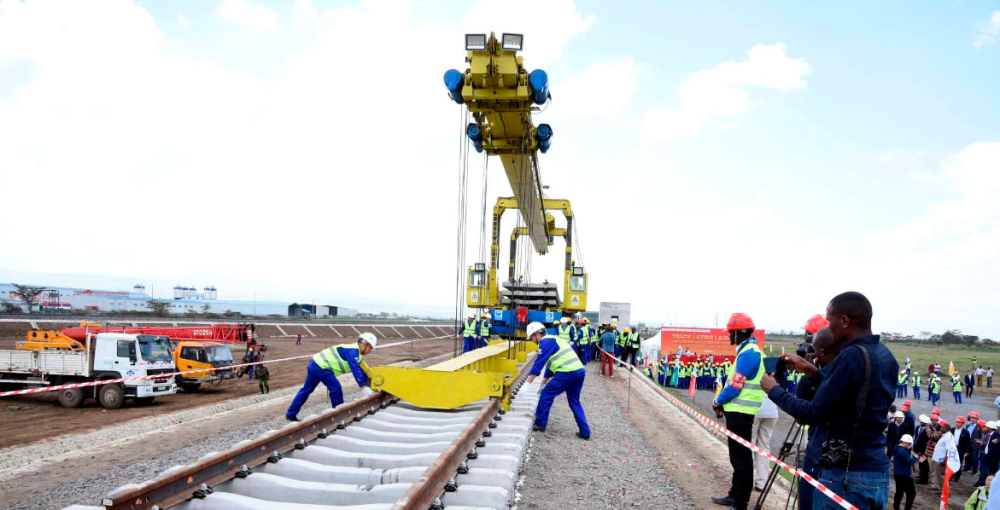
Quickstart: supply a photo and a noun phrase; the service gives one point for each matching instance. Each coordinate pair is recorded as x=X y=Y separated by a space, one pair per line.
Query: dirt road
x=32 y=418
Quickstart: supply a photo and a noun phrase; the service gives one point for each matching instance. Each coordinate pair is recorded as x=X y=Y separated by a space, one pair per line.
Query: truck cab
x=196 y=355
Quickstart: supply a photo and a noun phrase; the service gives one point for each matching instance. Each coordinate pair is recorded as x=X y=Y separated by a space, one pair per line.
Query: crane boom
x=500 y=95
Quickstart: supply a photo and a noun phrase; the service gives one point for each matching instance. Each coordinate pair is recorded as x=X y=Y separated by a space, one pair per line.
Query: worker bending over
x=556 y=356
x=326 y=365
x=739 y=402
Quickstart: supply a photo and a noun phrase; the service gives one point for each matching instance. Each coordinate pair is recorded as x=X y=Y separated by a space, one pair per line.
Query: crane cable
x=463 y=188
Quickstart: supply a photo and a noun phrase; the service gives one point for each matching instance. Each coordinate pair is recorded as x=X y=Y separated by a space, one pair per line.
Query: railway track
x=376 y=453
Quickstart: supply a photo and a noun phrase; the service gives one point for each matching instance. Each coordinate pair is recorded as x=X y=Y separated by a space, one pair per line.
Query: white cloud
x=988 y=31
x=586 y=93
x=257 y=19
x=183 y=21
x=725 y=91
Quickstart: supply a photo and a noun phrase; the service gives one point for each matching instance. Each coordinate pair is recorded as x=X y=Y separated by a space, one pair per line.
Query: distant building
x=186 y=299
x=619 y=313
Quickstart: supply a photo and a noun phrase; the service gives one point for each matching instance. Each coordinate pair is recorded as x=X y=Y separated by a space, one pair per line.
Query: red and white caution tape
x=44 y=389
x=792 y=470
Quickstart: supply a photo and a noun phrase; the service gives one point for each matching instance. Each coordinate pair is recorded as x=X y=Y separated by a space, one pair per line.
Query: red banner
x=701 y=340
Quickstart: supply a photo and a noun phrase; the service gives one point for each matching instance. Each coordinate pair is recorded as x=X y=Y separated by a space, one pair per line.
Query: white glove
x=366 y=392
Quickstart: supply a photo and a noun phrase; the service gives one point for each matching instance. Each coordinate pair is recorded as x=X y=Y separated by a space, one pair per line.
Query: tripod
x=792 y=439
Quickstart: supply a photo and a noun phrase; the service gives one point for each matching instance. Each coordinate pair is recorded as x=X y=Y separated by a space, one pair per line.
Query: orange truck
x=198 y=355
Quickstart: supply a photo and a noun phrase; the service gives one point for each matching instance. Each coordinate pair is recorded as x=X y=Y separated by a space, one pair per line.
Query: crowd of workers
x=959 y=384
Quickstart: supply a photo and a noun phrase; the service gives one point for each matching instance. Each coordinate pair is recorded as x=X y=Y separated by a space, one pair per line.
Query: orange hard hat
x=816 y=323
x=739 y=321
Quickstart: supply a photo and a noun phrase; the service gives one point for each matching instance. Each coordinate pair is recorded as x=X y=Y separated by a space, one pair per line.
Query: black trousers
x=741 y=458
x=904 y=485
x=924 y=472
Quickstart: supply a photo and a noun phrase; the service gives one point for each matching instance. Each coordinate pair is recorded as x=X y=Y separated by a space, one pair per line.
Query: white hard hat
x=533 y=328
x=924 y=419
x=991 y=424
x=906 y=439
x=471 y=316
x=564 y=320
x=899 y=414
x=369 y=338
x=915 y=372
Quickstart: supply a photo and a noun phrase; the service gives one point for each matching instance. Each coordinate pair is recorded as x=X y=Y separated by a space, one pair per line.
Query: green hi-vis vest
x=484 y=328
x=329 y=359
x=916 y=380
x=566 y=332
x=750 y=397
x=620 y=339
x=564 y=360
x=936 y=386
x=585 y=337
x=902 y=379
x=956 y=384
x=634 y=338
x=470 y=329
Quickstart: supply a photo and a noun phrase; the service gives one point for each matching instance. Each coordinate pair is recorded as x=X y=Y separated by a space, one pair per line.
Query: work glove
x=366 y=392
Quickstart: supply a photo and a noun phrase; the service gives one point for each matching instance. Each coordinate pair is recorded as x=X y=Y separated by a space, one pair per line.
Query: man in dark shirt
x=833 y=410
x=826 y=350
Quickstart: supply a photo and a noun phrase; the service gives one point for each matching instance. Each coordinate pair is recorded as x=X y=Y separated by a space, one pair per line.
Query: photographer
x=853 y=457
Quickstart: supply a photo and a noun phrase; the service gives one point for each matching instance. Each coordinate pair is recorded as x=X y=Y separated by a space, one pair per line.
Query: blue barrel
x=476 y=136
x=453 y=81
x=544 y=136
x=539 y=81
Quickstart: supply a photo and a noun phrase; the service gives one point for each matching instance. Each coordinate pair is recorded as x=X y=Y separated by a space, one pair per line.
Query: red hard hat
x=980 y=424
x=936 y=411
x=973 y=415
x=904 y=408
x=816 y=323
x=959 y=420
x=739 y=321
x=935 y=416
x=907 y=403
x=942 y=422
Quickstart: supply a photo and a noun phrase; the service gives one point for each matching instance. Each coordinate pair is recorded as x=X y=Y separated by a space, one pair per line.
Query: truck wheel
x=71 y=397
x=143 y=401
x=110 y=396
x=190 y=388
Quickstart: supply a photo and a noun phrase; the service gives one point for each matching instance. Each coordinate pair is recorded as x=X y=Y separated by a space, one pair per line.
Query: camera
x=803 y=349
x=835 y=455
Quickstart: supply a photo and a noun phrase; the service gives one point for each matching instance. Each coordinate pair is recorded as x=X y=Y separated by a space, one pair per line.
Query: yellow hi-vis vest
x=956 y=384
x=750 y=397
x=916 y=380
x=620 y=339
x=634 y=338
x=585 y=336
x=901 y=379
x=566 y=332
x=564 y=360
x=470 y=329
x=484 y=328
x=329 y=359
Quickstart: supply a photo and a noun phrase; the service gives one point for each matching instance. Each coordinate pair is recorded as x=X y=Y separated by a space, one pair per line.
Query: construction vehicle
x=196 y=355
x=226 y=333
x=501 y=95
x=100 y=357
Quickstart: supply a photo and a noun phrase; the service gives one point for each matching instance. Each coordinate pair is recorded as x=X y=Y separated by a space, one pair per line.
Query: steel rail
x=431 y=485
x=177 y=487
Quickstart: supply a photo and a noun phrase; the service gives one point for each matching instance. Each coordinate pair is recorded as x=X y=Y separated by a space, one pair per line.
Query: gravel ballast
x=617 y=468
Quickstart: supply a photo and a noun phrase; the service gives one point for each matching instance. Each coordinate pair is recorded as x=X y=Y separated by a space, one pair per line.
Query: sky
x=719 y=158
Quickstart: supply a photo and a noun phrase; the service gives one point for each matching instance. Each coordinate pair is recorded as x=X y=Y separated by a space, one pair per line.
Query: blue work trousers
x=904 y=390
x=482 y=342
x=314 y=376
x=806 y=490
x=588 y=353
x=572 y=384
x=469 y=345
x=867 y=490
x=934 y=398
x=958 y=396
x=916 y=392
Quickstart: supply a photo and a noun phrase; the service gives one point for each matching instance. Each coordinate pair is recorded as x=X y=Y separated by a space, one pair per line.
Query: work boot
x=292 y=418
x=538 y=428
x=581 y=436
x=724 y=500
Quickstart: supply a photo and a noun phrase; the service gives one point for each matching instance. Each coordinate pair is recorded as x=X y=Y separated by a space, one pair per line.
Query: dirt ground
x=30 y=418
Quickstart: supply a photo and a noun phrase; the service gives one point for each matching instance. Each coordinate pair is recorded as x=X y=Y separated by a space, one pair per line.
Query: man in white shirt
x=979 y=376
x=763 y=427
x=940 y=456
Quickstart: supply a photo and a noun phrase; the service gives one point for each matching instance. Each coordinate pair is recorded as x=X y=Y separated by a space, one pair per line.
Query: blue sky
x=720 y=158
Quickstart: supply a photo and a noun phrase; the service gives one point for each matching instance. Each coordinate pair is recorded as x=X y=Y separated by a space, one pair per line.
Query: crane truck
x=100 y=357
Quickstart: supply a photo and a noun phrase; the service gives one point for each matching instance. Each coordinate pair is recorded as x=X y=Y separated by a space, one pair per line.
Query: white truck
x=106 y=356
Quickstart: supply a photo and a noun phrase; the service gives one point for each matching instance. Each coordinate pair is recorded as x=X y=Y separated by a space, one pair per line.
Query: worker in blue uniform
x=563 y=373
x=470 y=329
x=483 y=331
x=329 y=363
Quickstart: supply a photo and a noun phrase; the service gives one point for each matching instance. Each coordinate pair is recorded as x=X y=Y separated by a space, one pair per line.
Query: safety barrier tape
x=173 y=374
x=792 y=470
